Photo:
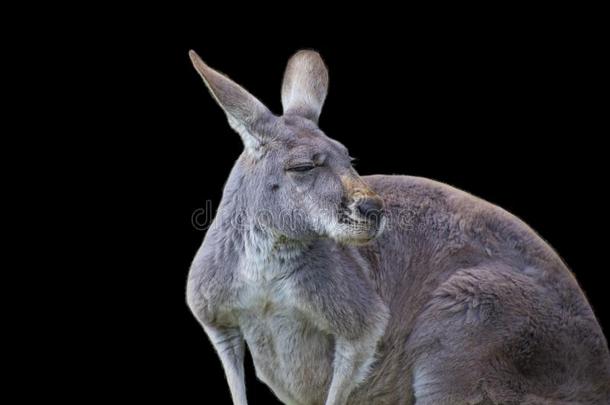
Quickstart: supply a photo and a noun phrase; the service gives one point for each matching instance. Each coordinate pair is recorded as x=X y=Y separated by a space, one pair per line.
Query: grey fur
x=456 y=301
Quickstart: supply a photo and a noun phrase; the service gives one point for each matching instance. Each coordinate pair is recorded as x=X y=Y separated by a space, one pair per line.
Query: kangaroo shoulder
x=443 y=210
x=210 y=276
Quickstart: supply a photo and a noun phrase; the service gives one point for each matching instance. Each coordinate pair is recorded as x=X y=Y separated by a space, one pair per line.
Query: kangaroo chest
x=291 y=354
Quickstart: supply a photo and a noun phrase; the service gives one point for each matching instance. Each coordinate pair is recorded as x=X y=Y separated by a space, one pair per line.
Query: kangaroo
x=378 y=289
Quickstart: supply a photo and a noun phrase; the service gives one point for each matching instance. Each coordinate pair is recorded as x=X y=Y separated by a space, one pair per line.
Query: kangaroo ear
x=243 y=110
x=305 y=85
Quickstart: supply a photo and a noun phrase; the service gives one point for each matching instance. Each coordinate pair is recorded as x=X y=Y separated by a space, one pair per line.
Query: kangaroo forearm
x=229 y=345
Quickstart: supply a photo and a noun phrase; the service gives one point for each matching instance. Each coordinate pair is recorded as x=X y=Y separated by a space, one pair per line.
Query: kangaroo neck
x=251 y=240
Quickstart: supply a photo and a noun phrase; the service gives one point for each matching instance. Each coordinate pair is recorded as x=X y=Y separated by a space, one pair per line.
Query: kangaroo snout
x=370 y=208
x=365 y=203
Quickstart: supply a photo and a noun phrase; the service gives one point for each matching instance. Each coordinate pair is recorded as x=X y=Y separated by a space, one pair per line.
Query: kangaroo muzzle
x=364 y=202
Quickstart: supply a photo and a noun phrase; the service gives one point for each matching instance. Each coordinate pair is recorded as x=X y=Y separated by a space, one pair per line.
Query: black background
x=510 y=114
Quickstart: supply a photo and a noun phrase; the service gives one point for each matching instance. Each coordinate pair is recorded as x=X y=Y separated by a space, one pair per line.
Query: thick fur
x=451 y=301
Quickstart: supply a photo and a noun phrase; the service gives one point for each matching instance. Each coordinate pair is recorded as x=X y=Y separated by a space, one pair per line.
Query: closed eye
x=301 y=167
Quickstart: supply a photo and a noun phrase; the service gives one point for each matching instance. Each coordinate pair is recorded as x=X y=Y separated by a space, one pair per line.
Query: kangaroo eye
x=302 y=167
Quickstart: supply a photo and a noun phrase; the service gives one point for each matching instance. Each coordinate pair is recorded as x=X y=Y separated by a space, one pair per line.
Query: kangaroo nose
x=370 y=208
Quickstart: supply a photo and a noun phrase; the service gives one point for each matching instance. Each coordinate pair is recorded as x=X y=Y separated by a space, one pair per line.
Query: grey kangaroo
x=378 y=289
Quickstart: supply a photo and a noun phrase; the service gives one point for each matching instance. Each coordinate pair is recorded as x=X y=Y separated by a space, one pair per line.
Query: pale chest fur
x=291 y=354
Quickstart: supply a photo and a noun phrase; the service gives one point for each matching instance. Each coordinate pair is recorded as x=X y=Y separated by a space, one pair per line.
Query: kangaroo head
x=293 y=178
